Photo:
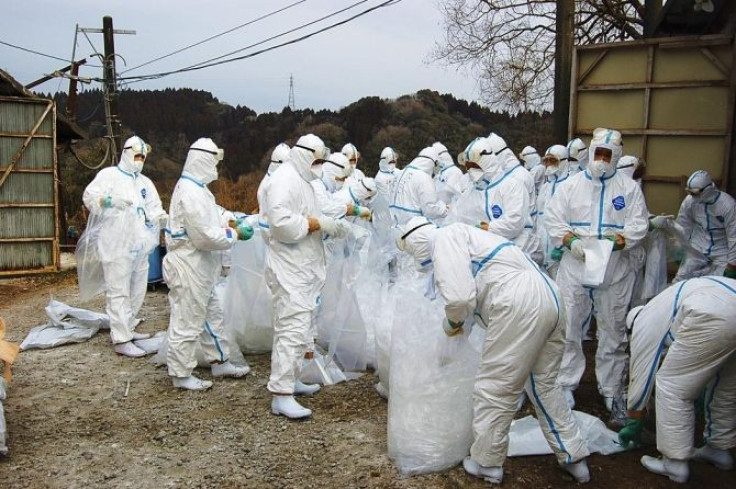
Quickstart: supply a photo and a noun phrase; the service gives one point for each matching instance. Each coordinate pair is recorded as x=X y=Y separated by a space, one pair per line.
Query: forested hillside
x=170 y=120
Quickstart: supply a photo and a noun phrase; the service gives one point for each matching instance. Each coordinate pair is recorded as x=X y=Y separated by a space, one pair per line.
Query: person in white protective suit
x=512 y=168
x=192 y=267
x=597 y=204
x=707 y=218
x=556 y=172
x=414 y=193
x=578 y=154
x=353 y=156
x=295 y=267
x=484 y=275
x=694 y=322
x=358 y=194
x=533 y=163
x=386 y=171
x=278 y=156
x=130 y=212
x=448 y=177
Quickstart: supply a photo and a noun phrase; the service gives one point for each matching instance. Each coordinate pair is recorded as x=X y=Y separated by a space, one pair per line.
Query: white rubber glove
x=661 y=222
x=334 y=227
x=578 y=250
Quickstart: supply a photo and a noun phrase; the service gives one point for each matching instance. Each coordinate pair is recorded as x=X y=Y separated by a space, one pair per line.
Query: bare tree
x=509 y=45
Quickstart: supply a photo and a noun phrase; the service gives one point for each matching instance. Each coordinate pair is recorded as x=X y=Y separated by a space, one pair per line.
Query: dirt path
x=71 y=425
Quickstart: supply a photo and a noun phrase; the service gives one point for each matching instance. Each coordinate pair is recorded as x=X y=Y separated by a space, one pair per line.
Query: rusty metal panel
x=673 y=101
x=29 y=234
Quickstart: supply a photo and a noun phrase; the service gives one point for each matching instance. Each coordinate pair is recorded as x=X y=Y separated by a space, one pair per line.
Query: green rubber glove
x=630 y=435
x=106 y=202
x=452 y=328
x=730 y=272
x=245 y=232
x=556 y=254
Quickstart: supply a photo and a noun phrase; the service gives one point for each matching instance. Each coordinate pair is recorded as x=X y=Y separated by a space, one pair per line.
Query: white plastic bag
x=597 y=254
x=248 y=298
x=432 y=376
x=65 y=325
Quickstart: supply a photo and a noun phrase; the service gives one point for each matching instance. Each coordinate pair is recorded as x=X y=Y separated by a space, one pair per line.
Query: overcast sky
x=383 y=53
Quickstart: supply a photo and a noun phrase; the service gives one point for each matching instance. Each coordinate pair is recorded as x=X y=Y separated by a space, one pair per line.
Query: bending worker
x=695 y=321
x=476 y=270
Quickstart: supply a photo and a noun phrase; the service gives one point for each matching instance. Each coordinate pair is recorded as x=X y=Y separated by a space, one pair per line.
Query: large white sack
x=248 y=299
x=430 y=402
x=66 y=324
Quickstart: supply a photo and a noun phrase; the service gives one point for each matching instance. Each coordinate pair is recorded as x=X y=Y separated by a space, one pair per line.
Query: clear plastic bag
x=432 y=377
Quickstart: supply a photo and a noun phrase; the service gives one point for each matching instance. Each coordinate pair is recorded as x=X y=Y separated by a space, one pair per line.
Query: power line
x=212 y=62
x=33 y=52
x=215 y=36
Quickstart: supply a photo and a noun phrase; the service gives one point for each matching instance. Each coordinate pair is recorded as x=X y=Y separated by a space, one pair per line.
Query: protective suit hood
x=387 y=155
x=628 y=165
x=278 y=156
x=609 y=139
x=426 y=160
x=505 y=158
x=336 y=166
x=701 y=181
x=578 y=151
x=417 y=239
x=530 y=157
x=133 y=146
x=363 y=190
x=201 y=162
x=563 y=167
x=306 y=151
x=443 y=156
x=351 y=152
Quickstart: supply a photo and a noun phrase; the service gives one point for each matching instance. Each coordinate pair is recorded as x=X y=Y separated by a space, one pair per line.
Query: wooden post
x=563 y=67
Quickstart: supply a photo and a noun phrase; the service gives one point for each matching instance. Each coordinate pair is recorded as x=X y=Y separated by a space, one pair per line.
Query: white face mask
x=599 y=168
x=210 y=175
x=339 y=184
x=392 y=166
x=475 y=174
x=316 y=170
x=550 y=171
x=137 y=165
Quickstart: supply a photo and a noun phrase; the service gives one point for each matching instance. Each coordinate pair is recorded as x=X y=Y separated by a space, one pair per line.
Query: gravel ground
x=71 y=425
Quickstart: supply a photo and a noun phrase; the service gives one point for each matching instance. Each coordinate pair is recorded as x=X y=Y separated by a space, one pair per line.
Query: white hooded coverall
x=696 y=320
x=414 y=193
x=295 y=264
x=193 y=265
x=129 y=231
x=710 y=224
x=594 y=208
x=479 y=272
x=278 y=156
x=386 y=171
x=448 y=180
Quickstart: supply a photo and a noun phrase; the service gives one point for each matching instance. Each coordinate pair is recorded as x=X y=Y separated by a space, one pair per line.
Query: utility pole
x=563 y=67
x=110 y=91
x=292 y=105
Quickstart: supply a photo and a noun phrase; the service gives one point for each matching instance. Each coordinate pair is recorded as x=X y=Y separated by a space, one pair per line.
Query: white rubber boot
x=722 y=459
x=191 y=383
x=287 y=406
x=302 y=389
x=494 y=475
x=228 y=369
x=579 y=470
x=128 y=349
x=676 y=470
x=382 y=391
x=140 y=336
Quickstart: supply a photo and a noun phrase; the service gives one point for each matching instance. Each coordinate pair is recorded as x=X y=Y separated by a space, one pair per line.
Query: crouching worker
x=192 y=268
x=696 y=319
x=475 y=270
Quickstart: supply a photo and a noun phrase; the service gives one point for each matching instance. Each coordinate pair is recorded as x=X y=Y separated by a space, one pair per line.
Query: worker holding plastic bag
x=413 y=193
x=295 y=266
x=707 y=218
x=123 y=228
x=192 y=267
x=594 y=209
x=556 y=171
x=477 y=271
x=694 y=323
x=448 y=177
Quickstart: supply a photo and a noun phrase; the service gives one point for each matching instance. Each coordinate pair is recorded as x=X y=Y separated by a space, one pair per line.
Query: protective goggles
x=339 y=165
x=401 y=242
x=320 y=154
x=697 y=191
x=219 y=154
x=481 y=154
x=144 y=150
x=552 y=160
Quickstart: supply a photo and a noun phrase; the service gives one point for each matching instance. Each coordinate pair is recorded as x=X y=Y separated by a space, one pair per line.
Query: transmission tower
x=292 y=106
